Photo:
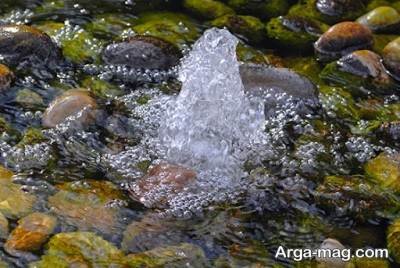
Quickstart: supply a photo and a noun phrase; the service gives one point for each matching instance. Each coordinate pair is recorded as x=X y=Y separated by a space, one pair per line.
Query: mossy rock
x=171 y=256
x=29 y=99
x=249 y=27
x=307 y=66
x=262 y=9
x=101 y=88
x=32 y=136
x=385 y=170
x=308 y=9
x=207 y=9
x=5 y=174
x=381 y=40
x=110 y=25
x=80 y=249
x=393 y=240
x=293 y=32
x=7 y=128
x=83 y=204
x=338 y=101
x=249 y=54
x=356 y=84
x=15 y=203
x=175 y=28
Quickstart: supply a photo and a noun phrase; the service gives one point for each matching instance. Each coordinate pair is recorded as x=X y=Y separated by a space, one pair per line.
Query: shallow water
x=256 y=190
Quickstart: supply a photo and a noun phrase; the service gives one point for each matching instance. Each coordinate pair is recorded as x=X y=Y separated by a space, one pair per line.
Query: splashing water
x=212 y=122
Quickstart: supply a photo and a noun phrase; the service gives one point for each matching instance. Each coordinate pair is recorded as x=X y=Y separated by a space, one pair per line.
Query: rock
x=5 y=174
x=147 y=52
x=295 y=32
x=332 y=244
x=385 y=170
x=176 y=28
x=339 y=102
x=14 y=203
x=29 y=99
x=343 y=9
x=391 y=58
x=249 y=27
x=6 y=77
x=161 y=181
x=184 y=254
x=110 y=25
x=101 y=88
x=31 y=233
x=4 y=230
x=393 y=240
x=68 y=104
x=207 y=9
x=341 y=39
x=361 y=72
x=22 y=44
x=383 y=19
x=80 y=249
x=84 y=204
x=261 y=9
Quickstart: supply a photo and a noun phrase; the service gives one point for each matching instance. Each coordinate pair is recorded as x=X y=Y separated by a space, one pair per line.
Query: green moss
x=207 y=9
x=175 y=28
x=142 y=100
x=308 y=9
x=385 y=170
x=81 y=249
x=110 y=25
x=300 y=39
x=82 y=48
x=101 y=88
x=337 y=100
x=32 y=136
x=261 y=9
x=246 y=53
x=307 y=66
x=250 y=27
x=357 y=85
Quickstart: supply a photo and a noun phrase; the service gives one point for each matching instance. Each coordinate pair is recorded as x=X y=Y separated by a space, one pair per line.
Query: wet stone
x=80 y=249
x=162 y=181
x=381 y=20
x=339 y=8
x=4 y=229
x=31 y=233
x=341 y=39
x=29 y=99
x=6 y=77
x=207 y=9
x=22 y=44
x=147 y=52
x=69 y=104
x=391 y=58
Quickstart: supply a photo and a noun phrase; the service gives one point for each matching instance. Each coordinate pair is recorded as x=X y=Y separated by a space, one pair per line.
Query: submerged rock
x=385 y=170
x=31 y=233
x=391 y=58
x=84 y=204
x=147 y=52
x=68 y=104
x=332 y=244
x=14 y=203
x=207 y=9
x=171 y=256
x=22 y=44
x=80 y=249
x=383 y=19
x=393 y=240
x=341 y=39
x=32 y=136
x=6 y=77
x=4 y=229
x=161 y=181
x=249 y=27
x=295 y=32
x=29 y=99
